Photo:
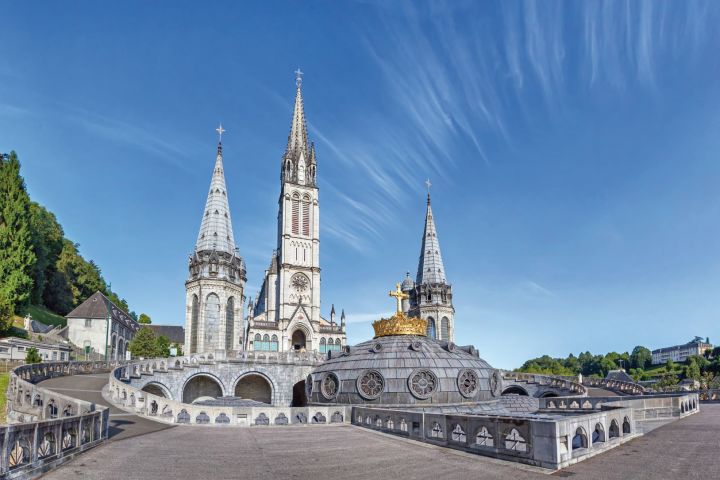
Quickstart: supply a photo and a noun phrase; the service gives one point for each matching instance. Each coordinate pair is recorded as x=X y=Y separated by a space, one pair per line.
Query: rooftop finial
x=428 y=185
x=298 y=76
x=220 y=131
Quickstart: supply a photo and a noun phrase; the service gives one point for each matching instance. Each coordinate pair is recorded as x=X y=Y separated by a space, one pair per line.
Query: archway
x=201 y=386
x=298 y=340
x=299 y=396
x=157 y=389
x=254 y=387
x=515 y=390
x=549 y=395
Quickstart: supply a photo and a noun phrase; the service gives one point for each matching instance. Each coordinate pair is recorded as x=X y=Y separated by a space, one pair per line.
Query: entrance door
x=298 y=340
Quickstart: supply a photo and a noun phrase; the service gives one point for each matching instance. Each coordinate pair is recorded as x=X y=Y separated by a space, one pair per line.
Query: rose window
x=468 y=383
x=370 y=384
x=422 y=383
x=299 y=282
x=329 y=386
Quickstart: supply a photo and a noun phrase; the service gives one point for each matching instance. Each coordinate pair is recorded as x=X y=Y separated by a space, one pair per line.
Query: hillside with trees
x=39 y=266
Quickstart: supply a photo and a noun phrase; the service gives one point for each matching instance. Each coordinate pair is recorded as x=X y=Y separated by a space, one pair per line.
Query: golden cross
x=399 y=296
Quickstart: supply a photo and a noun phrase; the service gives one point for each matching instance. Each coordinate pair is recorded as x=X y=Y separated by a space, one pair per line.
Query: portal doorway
x=298 y=340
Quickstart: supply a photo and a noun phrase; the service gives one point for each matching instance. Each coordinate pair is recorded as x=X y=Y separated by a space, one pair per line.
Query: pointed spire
x=430 y=266
x=216 y=231
x=332 y=315
x=298 y=140
x=342 y=317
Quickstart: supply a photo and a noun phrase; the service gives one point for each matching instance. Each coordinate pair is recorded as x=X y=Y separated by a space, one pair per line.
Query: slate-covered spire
x=430 y=267
x=298 y=139
x=216 y=231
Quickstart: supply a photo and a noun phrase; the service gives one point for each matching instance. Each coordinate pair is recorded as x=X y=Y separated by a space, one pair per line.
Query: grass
x=4 y=379
x=43 y=315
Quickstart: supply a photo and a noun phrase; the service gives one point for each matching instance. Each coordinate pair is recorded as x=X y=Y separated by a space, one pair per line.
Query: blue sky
x=573 y=148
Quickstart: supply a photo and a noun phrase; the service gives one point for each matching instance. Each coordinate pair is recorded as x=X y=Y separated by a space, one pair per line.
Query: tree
x=145 y=319
x=640 y=357
x=47 y=239
x=144 y=344
x=16 y=255
x=163 y=346
x=669 y=366
x=32 y=356
x=692 y=370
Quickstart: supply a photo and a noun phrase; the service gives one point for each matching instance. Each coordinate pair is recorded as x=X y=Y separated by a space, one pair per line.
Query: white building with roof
x=13 y=348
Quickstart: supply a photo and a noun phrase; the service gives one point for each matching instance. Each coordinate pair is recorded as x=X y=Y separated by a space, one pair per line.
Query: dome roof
x=404 y=370
x=407 y=284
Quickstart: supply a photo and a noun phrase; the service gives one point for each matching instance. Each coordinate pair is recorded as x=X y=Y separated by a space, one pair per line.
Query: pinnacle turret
x=430 y=267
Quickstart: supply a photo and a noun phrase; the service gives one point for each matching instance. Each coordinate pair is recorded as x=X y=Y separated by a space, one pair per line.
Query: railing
x=646 y=407
x=629 y=388
x=291 y=357
x=548 y=381
x=166 y=410
x=50 y=428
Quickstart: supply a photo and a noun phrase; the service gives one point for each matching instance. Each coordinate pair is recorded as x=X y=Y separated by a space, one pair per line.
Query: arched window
x=266 y=342
x=229 y=323
x=431 y=332
x=306 y=215
x=598 y=434
x=274 y=343
x=257 y=344
x=323 y=347
x=614 y=429
x=212 y=322
x=626 y=426
x=296 y=214
x=579 y=441
x=445 y=329
x=193 y=327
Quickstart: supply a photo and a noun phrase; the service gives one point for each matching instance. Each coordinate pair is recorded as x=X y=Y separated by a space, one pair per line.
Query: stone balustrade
x=619 y=386
x=162 y=409
x=645 y=407
x=48 y=428
x=547 y=380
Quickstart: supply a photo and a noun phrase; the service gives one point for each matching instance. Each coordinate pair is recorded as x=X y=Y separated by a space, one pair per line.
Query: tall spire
x=430 y=266
x=216 y=231
x=298 y=140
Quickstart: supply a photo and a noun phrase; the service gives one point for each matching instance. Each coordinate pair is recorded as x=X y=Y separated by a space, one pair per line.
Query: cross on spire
x=428 y=185
x=399 y=296
x=220 y=131
x=298 y=76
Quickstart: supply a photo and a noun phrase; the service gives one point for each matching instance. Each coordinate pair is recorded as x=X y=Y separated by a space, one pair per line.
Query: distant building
x=619 y=375
x=680 y=353
x=97 y=323
x=13 y=348
x=174 y=333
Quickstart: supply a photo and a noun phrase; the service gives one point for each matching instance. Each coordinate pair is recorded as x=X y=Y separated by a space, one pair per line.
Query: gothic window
x=306 y=215
x=212 y=322
x=436 y=431
x=422 y=383
x=193 y=324
x=513 y=441
x=598 y=434
x=403 y=425
x=458 y=434
x=626 y=426
x=323 y=346
x=445 y=329
x=484 y=438
x=468 y=382
x=257 y=344
x=229 y=323
x=274 y=343
x=579 y=441
x=431 y=328
x=295 y=214
x=266 y=342
x=370 y=384
x=614 y=429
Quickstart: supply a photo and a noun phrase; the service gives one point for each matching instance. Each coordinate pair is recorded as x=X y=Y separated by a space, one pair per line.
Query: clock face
x=300 y=282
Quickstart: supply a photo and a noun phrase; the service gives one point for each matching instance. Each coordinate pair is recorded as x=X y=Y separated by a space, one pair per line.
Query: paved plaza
x=140 y=448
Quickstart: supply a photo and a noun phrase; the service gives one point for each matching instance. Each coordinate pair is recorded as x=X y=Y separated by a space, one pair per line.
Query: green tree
x=179 y=352
x=144 y=344
x=32 y=356
x=16 y=255
x=640 y=357
x=145 y=319
x=163 y=346
x=669 y=366
x=47 y=239
x=692 y=370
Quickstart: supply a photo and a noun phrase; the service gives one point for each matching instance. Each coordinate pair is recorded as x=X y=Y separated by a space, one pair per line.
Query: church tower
x=430 y=294
x=287 y=310
x=215 y=286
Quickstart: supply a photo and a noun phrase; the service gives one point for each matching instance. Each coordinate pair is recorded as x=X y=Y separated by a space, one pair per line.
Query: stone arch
x=598 y=435
x=445 y=329
x=299 y=395
x=157 y=388
x=515 y=390
x=626 y=426
x=300 y=338
x=431 y=328
x=254 y=386
x=549 y=395
x=202 y=385
x=580 y=440
x=614 y=429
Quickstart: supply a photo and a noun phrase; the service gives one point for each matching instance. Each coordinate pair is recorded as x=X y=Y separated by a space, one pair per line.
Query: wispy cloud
x=367 y=317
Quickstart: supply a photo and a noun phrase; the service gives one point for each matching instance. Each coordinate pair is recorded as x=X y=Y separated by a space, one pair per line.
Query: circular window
x=416 y=346
x=422 y=383
x=330 y=386
x=377 y=347
x=467 y=382
x=370 y=384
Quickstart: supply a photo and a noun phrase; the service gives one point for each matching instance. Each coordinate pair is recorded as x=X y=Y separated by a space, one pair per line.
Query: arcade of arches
x=201 y=387
x=254 y=387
